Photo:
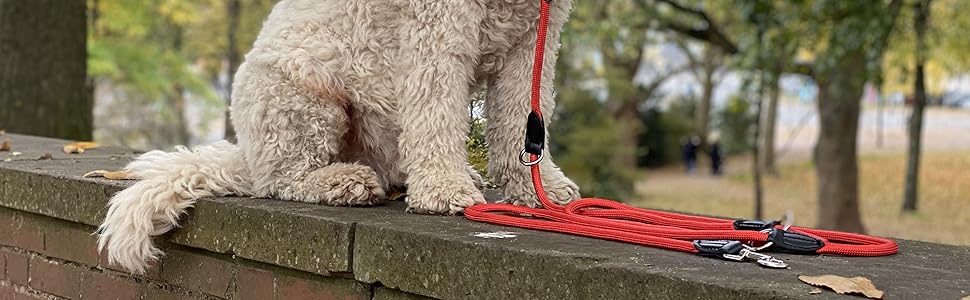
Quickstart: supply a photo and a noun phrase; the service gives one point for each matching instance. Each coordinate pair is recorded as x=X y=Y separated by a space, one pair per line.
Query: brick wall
x=47 y=258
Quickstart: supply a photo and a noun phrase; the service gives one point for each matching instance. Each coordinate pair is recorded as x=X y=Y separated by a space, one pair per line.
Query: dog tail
x=170 y=183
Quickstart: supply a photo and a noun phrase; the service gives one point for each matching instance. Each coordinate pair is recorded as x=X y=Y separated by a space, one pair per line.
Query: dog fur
x=340 y=100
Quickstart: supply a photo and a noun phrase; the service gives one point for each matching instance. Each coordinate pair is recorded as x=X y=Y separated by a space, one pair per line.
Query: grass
x=944 y=203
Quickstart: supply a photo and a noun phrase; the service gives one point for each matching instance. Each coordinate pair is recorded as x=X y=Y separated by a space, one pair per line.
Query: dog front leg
x=439 y=51
x=507 y=105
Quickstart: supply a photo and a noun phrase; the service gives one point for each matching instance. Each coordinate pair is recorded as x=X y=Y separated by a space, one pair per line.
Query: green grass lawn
x=944 y=204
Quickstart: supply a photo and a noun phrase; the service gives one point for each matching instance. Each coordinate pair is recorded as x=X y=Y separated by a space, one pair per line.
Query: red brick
x=17 y=267
x=71 y=243
x=6 y=290
x=155 y=292
x=197 y=272
x=153 y=271
x=26 y=296
x=55 y=278
x=96 y=285
x=21 y=230
x=255 y=284
x=293 y=288
x=3 y=266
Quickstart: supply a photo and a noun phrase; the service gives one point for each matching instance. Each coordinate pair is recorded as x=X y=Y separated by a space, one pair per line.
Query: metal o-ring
x=525 y=159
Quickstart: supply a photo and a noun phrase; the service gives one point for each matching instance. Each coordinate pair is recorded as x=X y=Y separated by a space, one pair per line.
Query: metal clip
x=764 y=260
x=526 y=159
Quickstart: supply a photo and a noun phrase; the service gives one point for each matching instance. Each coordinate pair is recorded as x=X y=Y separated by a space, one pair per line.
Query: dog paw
x=477 y=177
x=560 y=189
x=443 y=196
x=342 y=184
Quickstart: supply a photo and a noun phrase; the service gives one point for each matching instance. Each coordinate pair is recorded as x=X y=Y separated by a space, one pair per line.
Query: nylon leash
x=737 y=240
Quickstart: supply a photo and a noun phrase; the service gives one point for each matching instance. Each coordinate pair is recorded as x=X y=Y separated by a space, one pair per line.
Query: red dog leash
x=739 y=240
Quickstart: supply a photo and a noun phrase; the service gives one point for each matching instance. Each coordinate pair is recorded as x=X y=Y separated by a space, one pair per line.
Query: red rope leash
x=611 y=220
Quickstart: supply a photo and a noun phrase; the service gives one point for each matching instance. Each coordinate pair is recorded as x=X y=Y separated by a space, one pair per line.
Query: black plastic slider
x=793 y=242
x=755 y=225
x=535 y=134
x=717 y=247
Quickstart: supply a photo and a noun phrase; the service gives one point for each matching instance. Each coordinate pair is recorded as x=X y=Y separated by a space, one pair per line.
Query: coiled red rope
x=611 y=220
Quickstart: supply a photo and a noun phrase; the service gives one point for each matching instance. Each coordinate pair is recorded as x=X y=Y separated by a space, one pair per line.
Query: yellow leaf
x=5 y=146
x=113 y=175
x=79 y=147
x=843 y=285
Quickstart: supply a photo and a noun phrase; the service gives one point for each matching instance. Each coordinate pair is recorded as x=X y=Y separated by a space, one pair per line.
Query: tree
x=856 y=41
x=43 y=85
x=921 y=16
x=703 y=67
x=233 y=8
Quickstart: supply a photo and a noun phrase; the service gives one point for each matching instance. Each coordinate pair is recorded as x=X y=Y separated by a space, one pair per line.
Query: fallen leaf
x=46 y=156
x=2 y=131
x=965 y=298
x=5 y=146
x=15 y=153
x=396 y=195
x=843 y=285
x=815 y=291
x=113 y=175
x=79 y=147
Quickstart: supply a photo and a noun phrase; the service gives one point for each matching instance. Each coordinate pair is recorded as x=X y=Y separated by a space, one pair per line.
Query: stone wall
x=46 y=258
x=242 y=248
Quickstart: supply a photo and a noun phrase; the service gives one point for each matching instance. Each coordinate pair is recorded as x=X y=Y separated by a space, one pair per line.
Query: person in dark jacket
x=689 y=149
x=715 y=153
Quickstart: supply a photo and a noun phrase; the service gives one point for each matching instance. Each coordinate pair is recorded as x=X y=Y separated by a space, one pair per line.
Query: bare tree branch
x=711 y=32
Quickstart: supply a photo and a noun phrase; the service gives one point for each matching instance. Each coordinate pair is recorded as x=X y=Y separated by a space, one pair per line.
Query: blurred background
x=854 y=115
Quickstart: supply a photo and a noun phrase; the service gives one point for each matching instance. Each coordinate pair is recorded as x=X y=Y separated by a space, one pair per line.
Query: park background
x=854 y=115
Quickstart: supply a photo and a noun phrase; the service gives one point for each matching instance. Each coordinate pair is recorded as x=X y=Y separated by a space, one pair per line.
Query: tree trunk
x=43 y=69
x=628 y=130
x=755 y=153
x=840 y=91
x=703 y=113
x=182 y=134
x=233 y=9
x=768 y=120
x=919 y=103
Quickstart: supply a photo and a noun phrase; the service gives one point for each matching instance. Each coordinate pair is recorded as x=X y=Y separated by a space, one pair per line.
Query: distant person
x=715 y=152
x=690 y=146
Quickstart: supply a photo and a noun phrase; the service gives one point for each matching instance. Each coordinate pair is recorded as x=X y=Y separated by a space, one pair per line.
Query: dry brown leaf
x=113 y=175
x=5 y=146
x=79 y=147
x=965 y=298
x=2 y=131
x=46 y=156
x=843 y=285
x=396 y=195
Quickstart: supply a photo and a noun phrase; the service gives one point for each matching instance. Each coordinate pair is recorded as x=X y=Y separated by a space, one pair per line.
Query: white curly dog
x=340 y=100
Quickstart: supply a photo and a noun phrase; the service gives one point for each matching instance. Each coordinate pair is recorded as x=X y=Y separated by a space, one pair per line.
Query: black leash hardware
x=755 y=225
x=736 y=251
x=535 y=134
x=793 y=242
x=717 y=247
x=535 y=139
